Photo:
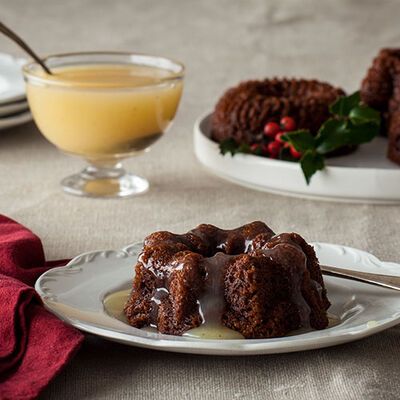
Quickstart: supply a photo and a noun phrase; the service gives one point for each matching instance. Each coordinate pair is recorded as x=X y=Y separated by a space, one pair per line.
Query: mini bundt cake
x=243 y=111
x=380 y=89
x=247 y=279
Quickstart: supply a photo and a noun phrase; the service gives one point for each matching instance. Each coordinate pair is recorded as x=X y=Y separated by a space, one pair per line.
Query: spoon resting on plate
x=387 y=281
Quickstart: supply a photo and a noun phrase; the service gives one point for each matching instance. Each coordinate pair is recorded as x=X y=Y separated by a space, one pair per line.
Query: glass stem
x=103 y=170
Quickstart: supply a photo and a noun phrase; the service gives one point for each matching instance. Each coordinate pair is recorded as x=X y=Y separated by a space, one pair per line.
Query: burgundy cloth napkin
x=34 y=344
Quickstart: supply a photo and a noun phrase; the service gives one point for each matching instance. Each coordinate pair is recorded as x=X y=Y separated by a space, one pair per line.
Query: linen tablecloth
x=221 y=43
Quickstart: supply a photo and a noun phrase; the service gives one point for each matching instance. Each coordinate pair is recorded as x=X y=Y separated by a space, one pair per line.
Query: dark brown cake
x=243 y=111
x=248 y=279
x=380 y=89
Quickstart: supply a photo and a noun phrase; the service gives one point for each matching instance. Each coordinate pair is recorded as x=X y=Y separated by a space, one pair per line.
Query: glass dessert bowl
x=104 y=107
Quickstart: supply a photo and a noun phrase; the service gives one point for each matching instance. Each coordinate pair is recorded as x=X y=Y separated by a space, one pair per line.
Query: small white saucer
x=15 y=120
x=12 y=86
x=10 y=109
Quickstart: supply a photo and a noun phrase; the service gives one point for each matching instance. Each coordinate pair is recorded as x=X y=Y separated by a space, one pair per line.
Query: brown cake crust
x=243 y=111
x=380 y=89
x=268 y=285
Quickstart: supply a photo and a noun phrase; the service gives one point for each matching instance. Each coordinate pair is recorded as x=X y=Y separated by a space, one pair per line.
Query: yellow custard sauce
x=114 y=306
x=104 y=110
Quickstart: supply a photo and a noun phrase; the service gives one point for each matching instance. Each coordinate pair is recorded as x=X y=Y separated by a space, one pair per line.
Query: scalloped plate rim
x=306 y=341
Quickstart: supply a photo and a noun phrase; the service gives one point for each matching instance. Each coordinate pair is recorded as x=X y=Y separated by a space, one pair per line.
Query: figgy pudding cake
x=243 y=111
x=247 y=279
x=296 y=120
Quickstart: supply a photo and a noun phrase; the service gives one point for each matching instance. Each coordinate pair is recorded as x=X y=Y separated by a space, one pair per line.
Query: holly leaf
x=332 y=135
x=228 y=146
x=343 y=105
x=310 y=163
x=301 y=140
x=336 y=133
x=244 y=148
x=358 y=134
x=363 y=114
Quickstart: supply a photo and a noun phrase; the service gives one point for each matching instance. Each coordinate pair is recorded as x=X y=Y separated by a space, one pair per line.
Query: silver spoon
x=387 y=281
x=13 y=36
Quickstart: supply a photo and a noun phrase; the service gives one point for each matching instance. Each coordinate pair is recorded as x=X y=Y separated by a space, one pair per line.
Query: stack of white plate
x=14 y=108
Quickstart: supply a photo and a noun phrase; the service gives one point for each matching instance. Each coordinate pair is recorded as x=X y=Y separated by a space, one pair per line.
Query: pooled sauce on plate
x=114 y=306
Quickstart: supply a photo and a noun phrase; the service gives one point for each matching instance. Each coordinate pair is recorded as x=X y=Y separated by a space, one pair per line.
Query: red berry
x=278 y=137
x=265 y=151
x=274 y=148
x=288 y=124
x=255 y=147
x=294 y=152
x=271 y=129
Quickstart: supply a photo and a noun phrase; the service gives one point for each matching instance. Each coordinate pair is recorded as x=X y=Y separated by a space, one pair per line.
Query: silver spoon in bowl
x=14 y=37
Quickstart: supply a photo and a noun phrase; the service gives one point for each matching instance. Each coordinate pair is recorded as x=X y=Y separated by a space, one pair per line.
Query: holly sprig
x=231 y=146
x=352 y=123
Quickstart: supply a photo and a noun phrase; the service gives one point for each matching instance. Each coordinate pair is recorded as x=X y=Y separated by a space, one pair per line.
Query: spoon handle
x=388 y=281
x=13 y=36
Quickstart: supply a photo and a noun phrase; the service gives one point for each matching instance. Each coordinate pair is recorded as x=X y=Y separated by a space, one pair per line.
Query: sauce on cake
x=247 y=279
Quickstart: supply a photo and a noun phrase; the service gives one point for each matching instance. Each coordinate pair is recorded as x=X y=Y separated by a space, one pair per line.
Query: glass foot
x=105 y=182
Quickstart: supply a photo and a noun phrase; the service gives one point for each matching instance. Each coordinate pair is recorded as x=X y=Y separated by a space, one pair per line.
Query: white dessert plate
x=12 y=86
x=366 y=176
x=76 y=292
x=9 y=109
x=15 y=120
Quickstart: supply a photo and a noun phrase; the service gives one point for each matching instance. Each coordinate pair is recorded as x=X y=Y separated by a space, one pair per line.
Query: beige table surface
x=221 y=43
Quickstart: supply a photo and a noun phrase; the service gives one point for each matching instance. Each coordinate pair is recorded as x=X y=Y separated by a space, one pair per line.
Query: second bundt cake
x=247 y=279
x=380 y=89
x=242 y=112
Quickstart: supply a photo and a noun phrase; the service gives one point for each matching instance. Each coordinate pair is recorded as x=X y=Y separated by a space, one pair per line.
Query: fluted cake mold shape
x=77 y=298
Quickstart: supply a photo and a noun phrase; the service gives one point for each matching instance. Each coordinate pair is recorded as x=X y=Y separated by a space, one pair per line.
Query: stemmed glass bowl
x=104 y=107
